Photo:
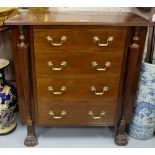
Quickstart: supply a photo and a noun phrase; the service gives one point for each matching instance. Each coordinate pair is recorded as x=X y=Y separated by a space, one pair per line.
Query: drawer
x=81 y=39
x=105 y=64
x=76 y=113
x=73 y=89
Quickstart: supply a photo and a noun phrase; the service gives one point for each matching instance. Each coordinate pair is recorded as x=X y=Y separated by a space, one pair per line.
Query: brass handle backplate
x=62 y=64
x=90 y=113
x=106 y=65
x=63 y=113
x=97 y=40
x=51 y=90
x=104 y=89
x=62 y=40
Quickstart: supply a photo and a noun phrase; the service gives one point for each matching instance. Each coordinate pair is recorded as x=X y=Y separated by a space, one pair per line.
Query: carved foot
x=121 y=140
x=30 y=140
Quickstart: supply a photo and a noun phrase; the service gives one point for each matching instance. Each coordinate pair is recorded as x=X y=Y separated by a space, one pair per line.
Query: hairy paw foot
x=121 y=140
x=30 y=140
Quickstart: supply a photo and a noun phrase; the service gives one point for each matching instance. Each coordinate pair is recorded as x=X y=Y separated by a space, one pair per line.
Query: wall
x=5 y=52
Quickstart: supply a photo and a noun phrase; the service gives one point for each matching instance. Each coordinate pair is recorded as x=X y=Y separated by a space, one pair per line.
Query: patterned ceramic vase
x=7 y=102
x=143 y=123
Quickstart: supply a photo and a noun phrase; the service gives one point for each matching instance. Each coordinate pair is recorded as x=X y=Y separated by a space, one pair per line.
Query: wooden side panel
x=135 y=55
x=21 y=61
x=120 y=102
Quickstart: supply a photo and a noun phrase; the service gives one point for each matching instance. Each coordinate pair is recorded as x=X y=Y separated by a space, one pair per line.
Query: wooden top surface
x=77 y=18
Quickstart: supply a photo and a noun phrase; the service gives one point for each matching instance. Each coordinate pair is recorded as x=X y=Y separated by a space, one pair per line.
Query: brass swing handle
x=62 y=64
x=97 y=40
x=50 y=40
x=95 y=65
x=90 y=113
x=93 y=89
x=51 y=90
x=63 y=113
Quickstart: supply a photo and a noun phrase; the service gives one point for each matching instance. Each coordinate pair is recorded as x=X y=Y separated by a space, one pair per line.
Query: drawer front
x=105 y=64
x=77 y=113
x=88 y=88
x=81 y=39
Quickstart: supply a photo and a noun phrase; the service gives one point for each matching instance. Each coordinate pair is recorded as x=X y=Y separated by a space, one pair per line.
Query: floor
x=71 y=137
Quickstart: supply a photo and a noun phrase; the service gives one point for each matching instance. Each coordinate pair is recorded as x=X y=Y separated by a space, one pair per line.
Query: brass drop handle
x=51 y=90
x=62 y=64
x=93 y=89
x=90 y=113
x=63 y=113
x=97 y=40
x=50 y=40
x=106 y=65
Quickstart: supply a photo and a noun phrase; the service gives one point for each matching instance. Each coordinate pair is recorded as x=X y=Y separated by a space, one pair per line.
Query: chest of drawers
x=77 y=69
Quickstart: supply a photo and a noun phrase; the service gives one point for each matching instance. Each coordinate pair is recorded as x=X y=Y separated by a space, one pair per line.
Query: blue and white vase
x=143 y=122
x=7 y=102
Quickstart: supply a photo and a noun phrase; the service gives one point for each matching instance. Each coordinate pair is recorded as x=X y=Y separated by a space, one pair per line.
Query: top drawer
x=83 y=39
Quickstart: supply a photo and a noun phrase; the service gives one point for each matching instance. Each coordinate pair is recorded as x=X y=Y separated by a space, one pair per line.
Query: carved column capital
x=135 y=39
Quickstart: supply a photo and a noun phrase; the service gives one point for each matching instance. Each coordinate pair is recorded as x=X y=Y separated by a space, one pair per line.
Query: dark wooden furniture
x=77 y=69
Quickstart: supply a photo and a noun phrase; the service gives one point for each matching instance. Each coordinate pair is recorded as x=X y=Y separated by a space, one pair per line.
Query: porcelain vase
x=8 y=102
x=143 y=122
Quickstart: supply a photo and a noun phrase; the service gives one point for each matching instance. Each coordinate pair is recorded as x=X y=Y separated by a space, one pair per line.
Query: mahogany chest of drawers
x=77 y=69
